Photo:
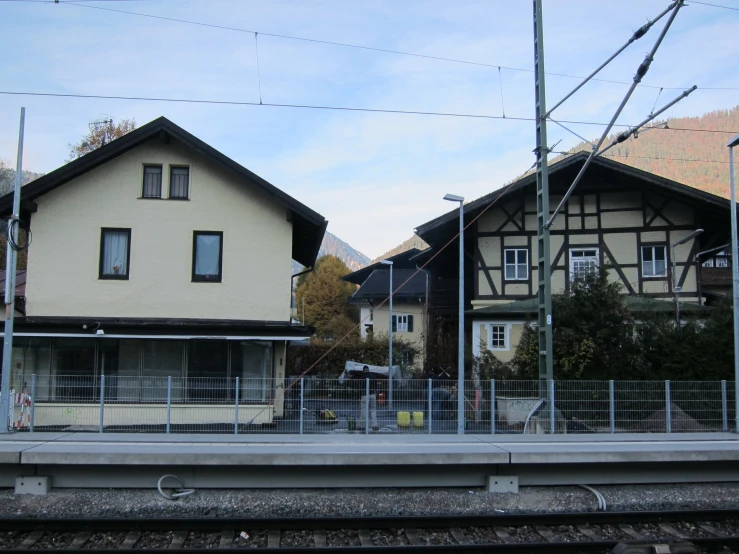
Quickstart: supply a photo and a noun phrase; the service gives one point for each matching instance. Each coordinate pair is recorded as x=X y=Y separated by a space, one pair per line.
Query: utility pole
x=544 y=274
x=6 y=403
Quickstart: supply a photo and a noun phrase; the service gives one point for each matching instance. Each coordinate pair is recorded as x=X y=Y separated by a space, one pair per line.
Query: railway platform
x=128 y=460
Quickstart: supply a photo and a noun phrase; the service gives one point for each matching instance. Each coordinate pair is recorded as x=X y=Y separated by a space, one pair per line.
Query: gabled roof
x=400 y=261
x=308 y=225
x=444 y=225
x=377 y=285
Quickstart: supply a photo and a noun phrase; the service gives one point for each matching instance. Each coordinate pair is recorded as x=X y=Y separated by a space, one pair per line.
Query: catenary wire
x=714 y=5
x=319 y=107
x=362 y=47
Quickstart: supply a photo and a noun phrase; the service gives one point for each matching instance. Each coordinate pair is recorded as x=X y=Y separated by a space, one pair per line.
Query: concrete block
x=502 y=483
x=32 y=485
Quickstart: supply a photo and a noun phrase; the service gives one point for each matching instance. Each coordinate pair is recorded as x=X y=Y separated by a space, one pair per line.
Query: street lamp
x=675 y=286
x=735 y=277
x=390 y=340
x=460 y=361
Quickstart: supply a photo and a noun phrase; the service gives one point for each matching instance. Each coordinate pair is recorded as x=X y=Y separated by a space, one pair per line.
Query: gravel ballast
x=363 y=502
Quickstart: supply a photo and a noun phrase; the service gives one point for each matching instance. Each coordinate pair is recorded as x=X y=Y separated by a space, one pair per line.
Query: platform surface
x=362 y=450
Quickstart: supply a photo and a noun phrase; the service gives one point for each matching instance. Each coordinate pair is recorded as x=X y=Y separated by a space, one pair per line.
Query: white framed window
x=516 y=264
x=583 y=262
x=498 y=336
x=708 y=263
x=403 y=323
x=654 y=261
x=492 y=335
x=722 y=261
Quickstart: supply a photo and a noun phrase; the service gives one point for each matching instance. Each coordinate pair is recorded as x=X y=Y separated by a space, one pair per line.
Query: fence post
x=668 y=411
x=236 y=407
x=169 y=402
x=612 y=405
x=724 y=408
x=366 y=407
x=302 y=390
x=33 y=403
x=102 y=401
x=551 y=407
x=431 y=406
x=492 y=406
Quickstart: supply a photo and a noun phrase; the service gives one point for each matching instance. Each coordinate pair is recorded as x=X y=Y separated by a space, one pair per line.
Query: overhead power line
x=361 y=47
x=610 y=155
x=318 y=107
x=714 y=5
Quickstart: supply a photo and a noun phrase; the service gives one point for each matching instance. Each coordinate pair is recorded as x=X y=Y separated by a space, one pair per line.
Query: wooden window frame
x=143 y=182
x=189 y=182
x=114 y=277
x=516 y=264
x=641 y=261
x=207 y=278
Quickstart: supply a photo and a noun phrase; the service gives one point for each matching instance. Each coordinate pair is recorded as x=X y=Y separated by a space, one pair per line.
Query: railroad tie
x=630 y=531
x=32 y=539
x=319 y=538
x=273 y=538
x=546 y=533
x=227 y=538
x=131 y=539
x=413 y=538
x=589 y=533
x=670 y=530
x=503 y=535
x=708 y=528
x=179 y=539
x=79 y=540
x=459 y=536
x=365 y=539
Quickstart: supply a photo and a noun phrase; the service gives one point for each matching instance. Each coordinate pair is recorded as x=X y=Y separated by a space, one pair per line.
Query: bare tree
x=94 y=138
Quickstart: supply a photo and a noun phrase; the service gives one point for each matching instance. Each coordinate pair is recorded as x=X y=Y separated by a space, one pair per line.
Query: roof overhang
x=637 y=304
x=308 y=225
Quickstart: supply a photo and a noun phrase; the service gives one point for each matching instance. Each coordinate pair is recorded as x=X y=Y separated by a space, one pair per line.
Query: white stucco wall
x=63 y=262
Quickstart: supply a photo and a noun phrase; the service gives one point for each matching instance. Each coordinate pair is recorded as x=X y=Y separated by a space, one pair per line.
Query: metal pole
x=544 y=273
x=302 y=389
x=676 y=293
x=492 y=406
x=236 y=407
x=639 y=33
x=390 y=347
x=33 y=401
x=735 y=280
x=366 y=407
x=431 y=407
x=169 y=402
x=102 y=401
x=668 y=409
x=551 y=407
x=640 y=73
x=612 y=405
x=10 y=265
x=724 y=408
x=460 y=345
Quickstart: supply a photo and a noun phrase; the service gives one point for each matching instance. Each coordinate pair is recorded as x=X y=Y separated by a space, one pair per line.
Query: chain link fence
x=359 y=405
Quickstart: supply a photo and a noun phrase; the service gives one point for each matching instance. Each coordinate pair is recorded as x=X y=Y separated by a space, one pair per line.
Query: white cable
x=178 y=492
x=601 y=499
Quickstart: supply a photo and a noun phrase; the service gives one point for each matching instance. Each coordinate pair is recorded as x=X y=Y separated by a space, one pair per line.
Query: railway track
x=709 y=531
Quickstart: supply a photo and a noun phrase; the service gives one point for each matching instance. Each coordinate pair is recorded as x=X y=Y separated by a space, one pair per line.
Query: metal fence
x=310 y=405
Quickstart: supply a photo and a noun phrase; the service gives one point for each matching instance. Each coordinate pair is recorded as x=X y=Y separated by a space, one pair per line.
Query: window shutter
x=395 y=325
x=410 y=323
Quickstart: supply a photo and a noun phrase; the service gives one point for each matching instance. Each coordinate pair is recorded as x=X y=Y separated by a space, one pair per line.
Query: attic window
x=152 y=187
x=179 y=183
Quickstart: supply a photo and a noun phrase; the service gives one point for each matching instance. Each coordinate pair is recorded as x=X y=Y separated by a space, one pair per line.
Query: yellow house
x=156 y=258
x=630 y=219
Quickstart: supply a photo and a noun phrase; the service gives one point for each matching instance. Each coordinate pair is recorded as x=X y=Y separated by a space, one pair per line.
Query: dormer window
x=152 y=187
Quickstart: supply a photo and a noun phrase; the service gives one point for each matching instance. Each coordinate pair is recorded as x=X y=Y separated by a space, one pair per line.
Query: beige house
x=158 y=257
x=621 y=216
x=410 y=294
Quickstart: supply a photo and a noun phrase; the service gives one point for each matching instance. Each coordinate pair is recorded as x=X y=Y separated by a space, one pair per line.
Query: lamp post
x=460 y=361
x=735 y=277
x=675 y=285
x=390 y=340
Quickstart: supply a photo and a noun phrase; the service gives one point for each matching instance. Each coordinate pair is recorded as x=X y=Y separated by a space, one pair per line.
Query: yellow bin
x=417 y=419
x=404 y=419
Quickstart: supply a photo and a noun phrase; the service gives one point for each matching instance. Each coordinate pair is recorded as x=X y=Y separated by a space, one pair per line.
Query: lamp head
x=454 y=198
x=386 y=262
x=690 y=236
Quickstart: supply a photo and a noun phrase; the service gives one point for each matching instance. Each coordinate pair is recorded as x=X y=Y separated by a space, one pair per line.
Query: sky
x=374 y=176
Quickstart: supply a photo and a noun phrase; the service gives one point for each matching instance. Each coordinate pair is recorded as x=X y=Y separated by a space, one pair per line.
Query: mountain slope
x=333 y=245
x=413 y=242
x=697 y=159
